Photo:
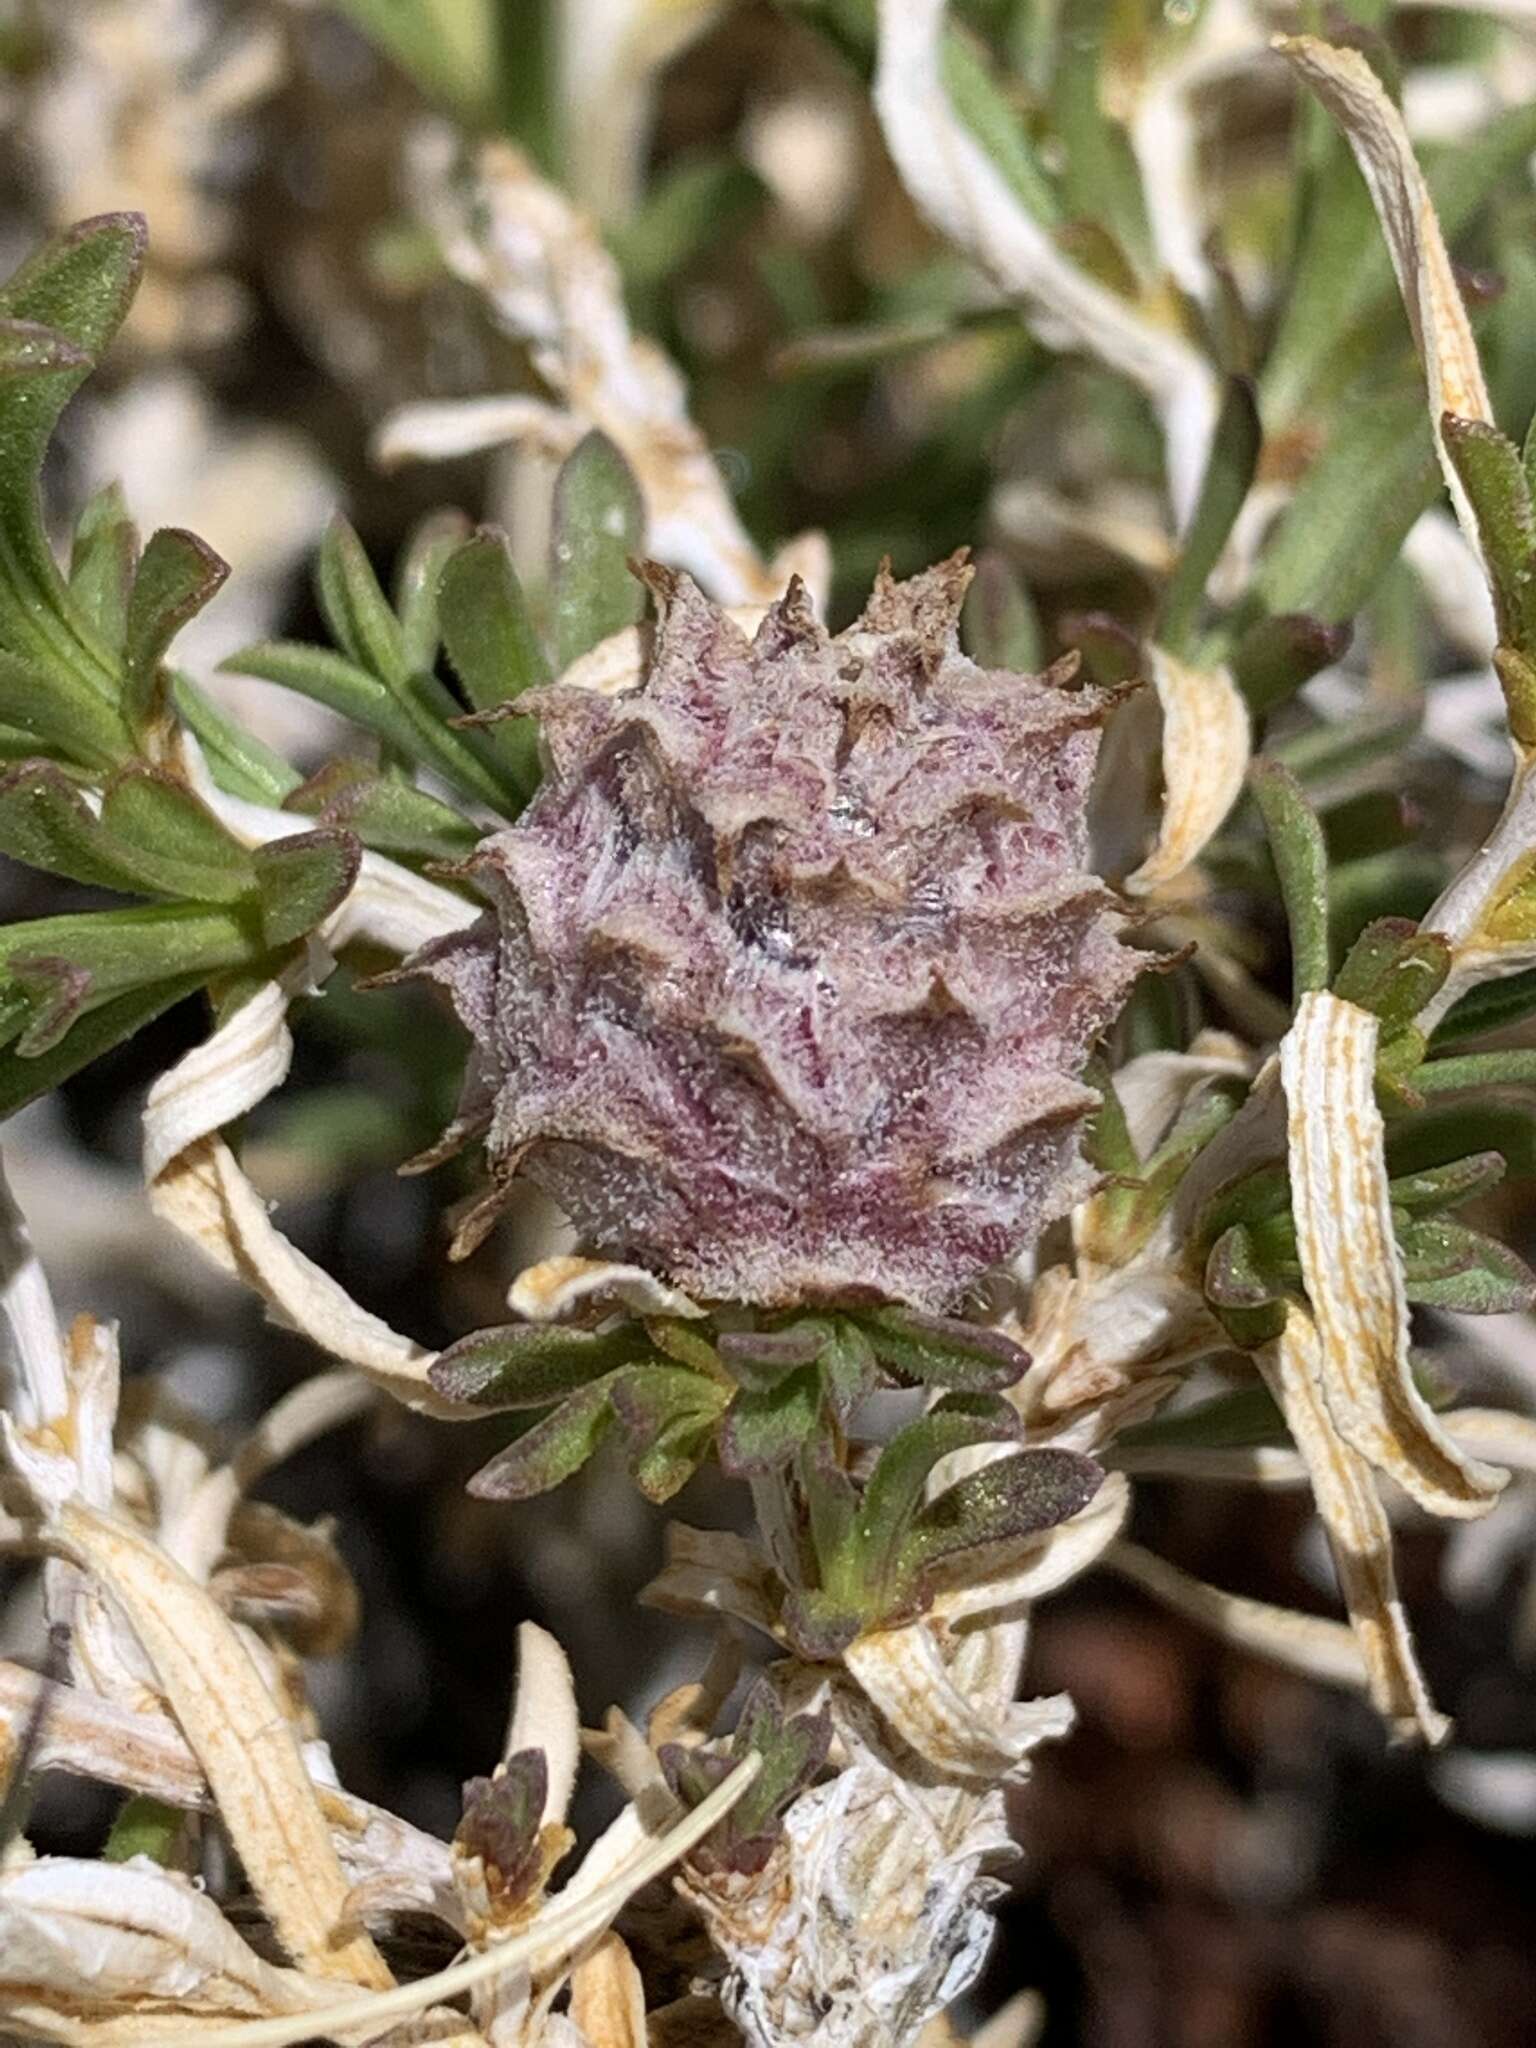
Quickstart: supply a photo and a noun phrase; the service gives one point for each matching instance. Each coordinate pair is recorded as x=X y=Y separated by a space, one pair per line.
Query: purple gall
x=792 y=966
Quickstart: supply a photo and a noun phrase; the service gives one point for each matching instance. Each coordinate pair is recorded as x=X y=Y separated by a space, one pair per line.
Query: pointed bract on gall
x=793 y=964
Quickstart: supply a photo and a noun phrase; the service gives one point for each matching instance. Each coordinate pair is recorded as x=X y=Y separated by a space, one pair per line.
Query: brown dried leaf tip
x=793 y=964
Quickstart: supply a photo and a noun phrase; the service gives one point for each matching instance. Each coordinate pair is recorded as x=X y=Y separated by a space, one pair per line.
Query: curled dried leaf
x=1342 y=1208
x=1206 y=743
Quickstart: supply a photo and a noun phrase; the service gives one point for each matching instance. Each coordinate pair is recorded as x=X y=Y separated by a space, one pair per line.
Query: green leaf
x=384 y=812
x=1276 y=655
x=1492 y=1006
x=1241 y=1420
x=79 y=284
x=61 y=714
x=1449 y=1131
x=414 y=722
x=1230 y=469
x=694 y=202
x=528 y=1365
x=491 y=642
x=1493 y=477
x=1446 y=1265
x=46 y=822
x=144 y=1827
x=1011 y=1499
x=1236 y=1275
x=999 y=624
x=168 y=842
x=1296 y=842
x=28 y=349
x=667 y=1416
x=1352 y=509
x=1433 y=1188
x=1474 y=1070
x=555 y=1447
x=356 y=609
x=1393 y=969
x=102 y=561
x=23 y=1079
x=302 y=880
x=940 y=1351
x=432 y=545
x=238 y=762
x=759 y=1359
x=895 y=1490
x=849 y=1369
x=1100 y=181
x=177 y=576
x=763 y=1430
x=599 y=524
x=987 y=111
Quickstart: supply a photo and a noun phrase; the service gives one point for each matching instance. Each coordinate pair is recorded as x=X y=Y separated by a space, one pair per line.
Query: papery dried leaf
x=1359 y=1533
x=1308 y=1643
x=608 y=1997
x=1206 y=743
x=544 y=1716
x=1342 y=1207
x=248 y=1752
x=84 y=1944
x=903 y=1671
x=1353 y=94
x=959 y=188
x=560 y=1287
x=557 y=1933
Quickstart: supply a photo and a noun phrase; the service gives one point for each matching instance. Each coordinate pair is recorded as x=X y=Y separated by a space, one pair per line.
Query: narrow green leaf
x=22 y=1080
x=1449 y=1131
x=1492 y=1006
x=240 y=763
x=1276 y=655
x=1241 y=1420
x=1011 y=1499
x=492 y=644
x=1099 y=177
x=177 y=576
x=763 y=1430
x=1230 y=470
x=759 y=1359
x=555 y=1447
x=667 y=1417
x=169 y=842
x=896 y=1486
x=1493 y=477
x=1236 y=1275
x=102 y=562
x=356 y=609
x=999 y=624
x=1433 y=1188
x=301 y=881
x=941 y=1351
x=1393 y=969
x=384 y=812
x=1296 y=842
x=60 y=713
x=79 y=284
x=987 y=111
x=1352 y=509
x=144 y=1827
x=432 y=545
x=1446 y=1265
x=46 y=822
x=849 y=1369
x=599 y=524
x=414 y=722
x=1474 y=1070
x=528 y=1365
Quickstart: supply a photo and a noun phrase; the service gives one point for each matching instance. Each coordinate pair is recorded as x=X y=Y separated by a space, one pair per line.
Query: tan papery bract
x=1342 y=1207
x=1206 y=744
x=1353 y=94
x=1359 y=1533
x=248 y=1752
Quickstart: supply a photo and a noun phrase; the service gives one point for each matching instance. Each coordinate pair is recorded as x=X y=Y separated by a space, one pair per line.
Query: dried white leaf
x=955 y=183
x=1154 y=1086
x=84 y=1944
x=32 y=1374
x=611 y=52
x=559 y=1931
x=711 y=1572
x=544 y=1715
x=1359 y=1534
x=248 y=1751
x=608 y=1998
x=553 y=1289
x=904 y=1672
x=1308 y=1643
x=1207 y=740
x=1352 y=93
x=541 y=263
x=1342 y=1208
